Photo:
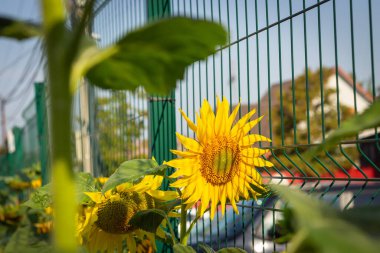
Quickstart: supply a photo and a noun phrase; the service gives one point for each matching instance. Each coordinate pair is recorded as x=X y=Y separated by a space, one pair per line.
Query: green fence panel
x=305 y=65
x=16 y=159
x=41 y=114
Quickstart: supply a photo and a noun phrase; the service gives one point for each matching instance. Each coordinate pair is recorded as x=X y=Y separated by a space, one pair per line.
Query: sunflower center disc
x=220 y=160
x=114 y=216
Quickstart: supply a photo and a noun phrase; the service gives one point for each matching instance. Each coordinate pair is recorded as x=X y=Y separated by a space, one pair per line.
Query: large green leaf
x=131 y=171
x=148 y=220
x=367 y=218
x=179 y=248
x=370 y=118
x=16 y=29
x=154 y=56
x=319 y=227
x=85 y=182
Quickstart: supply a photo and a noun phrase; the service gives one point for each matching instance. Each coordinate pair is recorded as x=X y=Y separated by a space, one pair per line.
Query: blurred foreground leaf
x=19 y=30
x=370 y=118
x=205 y=248
x=367 y=218
x=319 y=229
x=131 y=171
x=154 y=56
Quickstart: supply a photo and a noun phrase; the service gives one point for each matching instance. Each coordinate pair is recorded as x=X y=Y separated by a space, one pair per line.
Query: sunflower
x=36 y=183
x=105 y=225
x=102 y=180
x=44 y=227
x=45 y=223
x=221 y=163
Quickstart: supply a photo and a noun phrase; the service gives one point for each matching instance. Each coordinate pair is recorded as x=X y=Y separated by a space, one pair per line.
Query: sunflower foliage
x=21 y=227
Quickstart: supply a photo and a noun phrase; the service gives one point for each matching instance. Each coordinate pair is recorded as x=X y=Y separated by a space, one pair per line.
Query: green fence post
x=16 y=160
x=161 y=112
x=41 y=114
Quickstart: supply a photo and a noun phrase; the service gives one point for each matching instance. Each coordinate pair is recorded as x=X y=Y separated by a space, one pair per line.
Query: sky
x=19 y=62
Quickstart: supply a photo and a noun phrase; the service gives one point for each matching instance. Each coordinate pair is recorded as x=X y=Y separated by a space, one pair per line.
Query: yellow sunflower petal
x=189 y=190
x=243 y=190
x=94 y=196
x=205 y=200
x=256 y=161
x=201 y=130
x=221 y=116
x=223 y=197
x=213 y=203
x=182 y=172
x=189 y=122
x=254 y=182
x=189 y=143
x=254 y=152
x=232 y=117
x=163 y=195
x=251 y=139
x=182 y=163
x=247 y=127
x=230 y=194
x=208 y=119
x=247 y=170
x=184 y=154
x=196 y=195
x=240 y=124
x=182 y=182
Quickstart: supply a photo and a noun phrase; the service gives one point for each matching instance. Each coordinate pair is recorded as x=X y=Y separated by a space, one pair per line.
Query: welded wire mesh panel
x=119 y=120
x=30 y=143
x=306 y=66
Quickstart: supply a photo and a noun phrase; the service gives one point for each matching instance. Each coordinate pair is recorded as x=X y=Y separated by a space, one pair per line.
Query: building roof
x=286 y=87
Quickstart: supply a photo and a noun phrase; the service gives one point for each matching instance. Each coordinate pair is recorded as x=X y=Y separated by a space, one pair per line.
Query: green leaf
x=148 y=220
x=154 y=56
x=85 y=182
x=40 y=199
x=131 y=171
x=368 y=119
x=260 y=192
x=25 y=240
x=18 y=29
x=367 y=218
x=231 y=250
x=320 y=228
x=180 y=248
x=205 y=248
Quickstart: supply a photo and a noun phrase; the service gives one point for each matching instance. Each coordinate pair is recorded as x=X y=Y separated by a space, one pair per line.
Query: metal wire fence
x=27 y=145
x=305 y=65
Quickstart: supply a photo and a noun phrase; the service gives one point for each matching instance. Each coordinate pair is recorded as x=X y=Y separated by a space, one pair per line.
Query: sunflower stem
x=171 y=230
x=183 y=237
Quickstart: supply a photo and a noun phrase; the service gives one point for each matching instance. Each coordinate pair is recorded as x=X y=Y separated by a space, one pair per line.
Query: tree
x=120 y=128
